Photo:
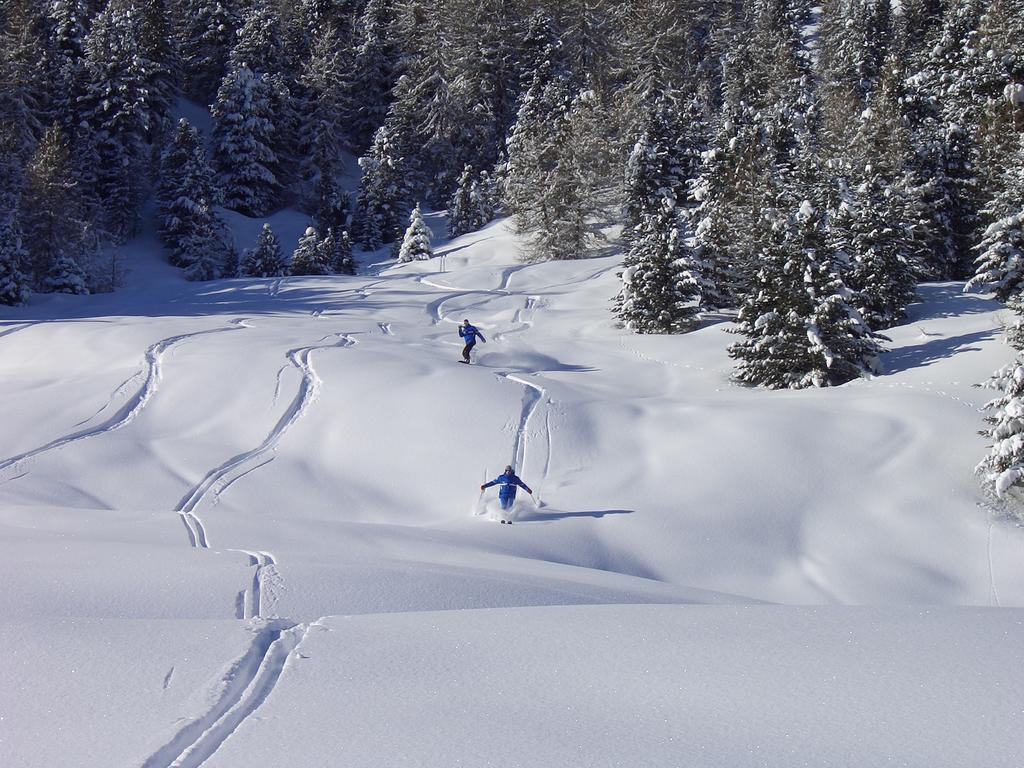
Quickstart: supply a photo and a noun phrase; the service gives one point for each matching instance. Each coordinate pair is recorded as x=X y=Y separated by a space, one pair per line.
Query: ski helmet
x=508 y=469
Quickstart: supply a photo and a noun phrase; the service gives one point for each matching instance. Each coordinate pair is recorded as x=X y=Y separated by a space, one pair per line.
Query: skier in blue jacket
x=508 y=482
x=469 y=333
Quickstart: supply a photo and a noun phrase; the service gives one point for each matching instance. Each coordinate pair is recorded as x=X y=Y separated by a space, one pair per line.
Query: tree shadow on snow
x=922 y=355
x=940 y=300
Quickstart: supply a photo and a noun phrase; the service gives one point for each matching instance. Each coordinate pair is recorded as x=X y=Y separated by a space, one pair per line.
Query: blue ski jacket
x=508 y=485
x=469 y=333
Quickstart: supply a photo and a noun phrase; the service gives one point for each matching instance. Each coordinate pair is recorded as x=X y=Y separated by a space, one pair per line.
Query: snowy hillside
x=239 y=521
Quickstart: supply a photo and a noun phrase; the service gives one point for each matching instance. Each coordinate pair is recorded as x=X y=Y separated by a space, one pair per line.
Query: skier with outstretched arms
x=508 y=483
x=469 y=334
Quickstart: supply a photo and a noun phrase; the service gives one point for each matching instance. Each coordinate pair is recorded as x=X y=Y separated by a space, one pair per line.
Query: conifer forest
x=798 y=168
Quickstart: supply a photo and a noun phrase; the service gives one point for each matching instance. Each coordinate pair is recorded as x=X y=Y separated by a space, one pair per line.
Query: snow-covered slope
x=210 y=492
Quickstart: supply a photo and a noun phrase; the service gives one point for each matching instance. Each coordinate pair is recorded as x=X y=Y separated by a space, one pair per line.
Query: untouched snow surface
x=240 y=523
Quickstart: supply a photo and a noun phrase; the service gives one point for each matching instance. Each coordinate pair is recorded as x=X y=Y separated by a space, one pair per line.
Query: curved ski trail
x=533 y=396
x=247 y=685
x=152 y=372
x=220 y=477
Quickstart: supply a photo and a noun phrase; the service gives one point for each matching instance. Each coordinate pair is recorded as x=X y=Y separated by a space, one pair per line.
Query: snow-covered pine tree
x=64 y=276
x=185 y=187
x=484 y=199
x=13 y=283
x=1002 y=469
x=660 y=292
x=323 y=132
x=655 y=167
x=243 y=139
x=384 y=188
x=566 y=203
x=259 y=46
x=487 y=87
x=416 y=243
x=1003 y=465
x=266 y=258
x=122 y=112
x=374 y=72
x=460 y=209
x=729 y=192
x=868 y=232
x=67 y=41
x=163 y=66
x=1000 y=264
x=310 y=257
x=207 y=35
x=26 y=86
x=201 y=248
x=531 y=148
x=51 y=229
x=339 y=249
x=800 y=328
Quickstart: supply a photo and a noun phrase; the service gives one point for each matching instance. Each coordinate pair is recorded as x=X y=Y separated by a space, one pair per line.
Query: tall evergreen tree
x=338 y=247
x=799 y=327
x=659 y=293
x=1002 y=468
x=324 y=130
x=26 y=87
x=375 y=71
x=563 y=208
x=384 y=190
x=879 y=270
x=122 y=112
x=50 y=224
x=664 y=160
x=1000 y=263
x=243 y=136
x=207 y=34
x=202 y=249
x=186 y=183
x=14 y=288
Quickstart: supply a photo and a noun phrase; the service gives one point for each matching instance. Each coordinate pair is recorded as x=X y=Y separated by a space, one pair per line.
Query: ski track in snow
x=15 y=329
x=991 y=566
x=533 y=396
x=523 y=317
x=152 y=375
x=248 y=683
x=385 y=328
x=260 y=597
x=217 y=479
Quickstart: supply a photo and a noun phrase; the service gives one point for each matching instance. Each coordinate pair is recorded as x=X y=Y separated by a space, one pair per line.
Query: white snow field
x=240 y=525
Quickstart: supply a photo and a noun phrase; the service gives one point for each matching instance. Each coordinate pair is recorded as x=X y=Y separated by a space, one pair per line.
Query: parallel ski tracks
x=220 y=477
x=151 y=375
x=247 y=684
x=252 y=678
